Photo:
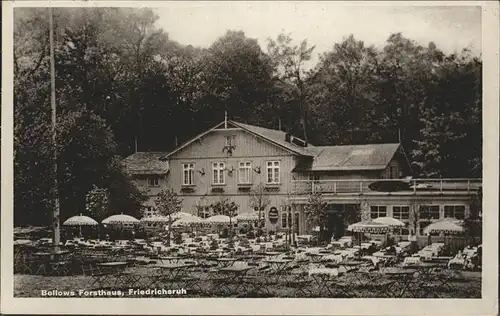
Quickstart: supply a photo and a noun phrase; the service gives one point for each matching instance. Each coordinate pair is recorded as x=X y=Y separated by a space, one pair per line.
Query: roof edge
x=270 y=140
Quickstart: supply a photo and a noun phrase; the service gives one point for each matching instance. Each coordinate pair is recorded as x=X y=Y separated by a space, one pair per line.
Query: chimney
x=288 y=137
x=135 y=143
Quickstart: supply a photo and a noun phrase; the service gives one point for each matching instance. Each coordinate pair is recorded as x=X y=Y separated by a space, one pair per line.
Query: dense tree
x=290 y=76
x=119 y=78
x=342 y=89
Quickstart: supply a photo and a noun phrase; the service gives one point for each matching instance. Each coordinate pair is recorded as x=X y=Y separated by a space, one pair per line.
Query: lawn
x=32 y=286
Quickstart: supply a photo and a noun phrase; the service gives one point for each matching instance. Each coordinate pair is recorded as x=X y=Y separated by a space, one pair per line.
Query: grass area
x=32 y=286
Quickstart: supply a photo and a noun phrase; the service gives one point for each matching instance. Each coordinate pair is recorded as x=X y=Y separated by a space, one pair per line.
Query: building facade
x=232 y=159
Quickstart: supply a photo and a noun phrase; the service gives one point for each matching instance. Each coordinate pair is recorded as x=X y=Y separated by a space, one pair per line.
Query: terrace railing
x=367 y=186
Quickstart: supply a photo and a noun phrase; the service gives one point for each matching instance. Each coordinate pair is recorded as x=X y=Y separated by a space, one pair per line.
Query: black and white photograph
x=248 y=150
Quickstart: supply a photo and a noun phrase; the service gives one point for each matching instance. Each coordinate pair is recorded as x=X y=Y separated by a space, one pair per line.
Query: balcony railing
x=373 y=186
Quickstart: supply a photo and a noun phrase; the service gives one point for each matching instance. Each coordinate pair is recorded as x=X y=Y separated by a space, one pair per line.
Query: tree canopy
x=120 y=78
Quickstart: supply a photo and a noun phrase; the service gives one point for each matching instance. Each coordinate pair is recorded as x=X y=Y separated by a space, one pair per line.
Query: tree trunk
x=169 y=229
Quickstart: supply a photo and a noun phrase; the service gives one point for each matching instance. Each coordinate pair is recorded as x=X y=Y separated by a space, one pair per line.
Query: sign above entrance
x=273 y=215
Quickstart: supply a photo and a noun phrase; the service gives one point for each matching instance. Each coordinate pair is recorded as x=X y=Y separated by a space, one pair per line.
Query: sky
x=452 y=28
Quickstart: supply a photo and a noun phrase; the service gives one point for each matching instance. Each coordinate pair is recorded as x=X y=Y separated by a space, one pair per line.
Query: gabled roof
x=350 y=157
x=275 y=137
x=146 y=163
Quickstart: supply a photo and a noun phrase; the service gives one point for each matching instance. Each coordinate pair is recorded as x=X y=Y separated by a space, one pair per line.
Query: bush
x=244 y=243
x=214 y=245
x=250 y=234
x=243 y=230
x=178 y=238
x=260 y=232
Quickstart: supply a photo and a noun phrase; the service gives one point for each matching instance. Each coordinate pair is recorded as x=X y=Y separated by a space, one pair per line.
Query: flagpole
x=56 y=238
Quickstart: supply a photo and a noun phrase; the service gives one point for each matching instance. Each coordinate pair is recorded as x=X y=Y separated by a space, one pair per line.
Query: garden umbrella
x=155 y=219
x=179 y=215
x=389 y=221
x=247 y=217
x=369 y=226
x=79 y=221
x=445 y=226
x=120 y=219
x=218 y=219
x=189 y=221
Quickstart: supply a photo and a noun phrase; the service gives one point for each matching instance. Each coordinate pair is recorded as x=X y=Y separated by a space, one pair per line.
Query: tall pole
x=56 y=238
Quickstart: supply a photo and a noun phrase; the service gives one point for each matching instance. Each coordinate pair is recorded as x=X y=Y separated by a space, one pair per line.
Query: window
x=245 y=172
x=204 y=212
x=454 y=211
x=153 y=181
x=273 y=172
x=148 y=211
x=429 y=211
x=401 y=212
x=188 y=174
x=378 y=211
x=218 y=172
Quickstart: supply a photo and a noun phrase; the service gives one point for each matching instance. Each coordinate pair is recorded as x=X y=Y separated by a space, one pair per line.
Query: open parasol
x=390 y=221
x=80 y=220
x=247 y=217
x=155 y=219
x=368 y=227
x=188 y=221
x=179 y=215
x=218 y=219
x=447 y=227
x=120 y=219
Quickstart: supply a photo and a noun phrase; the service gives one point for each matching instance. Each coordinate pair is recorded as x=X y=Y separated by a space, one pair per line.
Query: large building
x=232 y=159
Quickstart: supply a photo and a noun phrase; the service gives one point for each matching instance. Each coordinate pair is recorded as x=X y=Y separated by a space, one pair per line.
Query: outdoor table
x=170 y=259
x=350 y=265
x=315 y=257
x=374 y=282
x=278 y=267
x=325 y=279
x=231 y=276
x=164 y=274
x=47 y=259
x=300 y=281
x=432 y=277
x=225 y=262
x=272 y=253
x=402 y=282
x=107 y=270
